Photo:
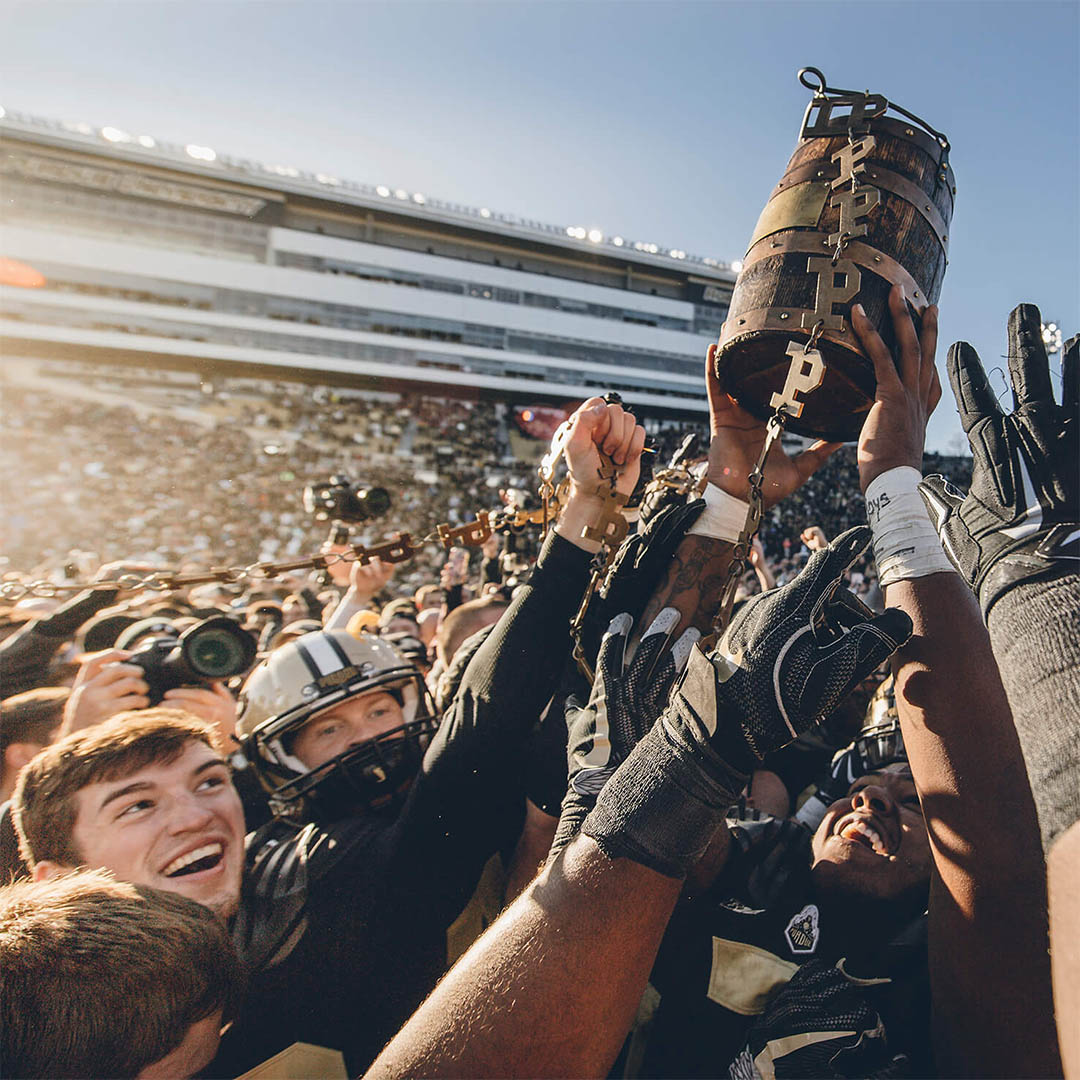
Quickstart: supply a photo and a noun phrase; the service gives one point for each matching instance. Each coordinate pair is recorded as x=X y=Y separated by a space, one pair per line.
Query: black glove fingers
x=609 y=661
x=1029 y=368
x=836 y=559
x=941 y=499
x=841 y=666
x=974 y=397
x=1070 y=374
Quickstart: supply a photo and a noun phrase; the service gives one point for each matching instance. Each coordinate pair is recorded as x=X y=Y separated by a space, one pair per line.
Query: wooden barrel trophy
x=865 y=204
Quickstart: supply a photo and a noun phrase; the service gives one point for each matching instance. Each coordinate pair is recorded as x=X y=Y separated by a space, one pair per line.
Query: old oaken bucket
x=866 y=203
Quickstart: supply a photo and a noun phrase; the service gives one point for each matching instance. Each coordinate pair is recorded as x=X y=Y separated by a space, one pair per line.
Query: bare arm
x=552 y=987
x=989 y=971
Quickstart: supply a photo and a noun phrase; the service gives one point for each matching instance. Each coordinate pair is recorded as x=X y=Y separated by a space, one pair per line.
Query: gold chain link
x=756 y=502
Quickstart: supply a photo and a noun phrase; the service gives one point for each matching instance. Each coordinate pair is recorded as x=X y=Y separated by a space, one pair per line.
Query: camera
x=216 y=648
x=341 y=500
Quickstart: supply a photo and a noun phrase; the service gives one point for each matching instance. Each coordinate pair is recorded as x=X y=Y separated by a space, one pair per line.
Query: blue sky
x=664 y=121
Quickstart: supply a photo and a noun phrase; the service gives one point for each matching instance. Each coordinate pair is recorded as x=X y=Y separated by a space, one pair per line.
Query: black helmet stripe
x=325 y=652
x=334 y=644
x=307 y=658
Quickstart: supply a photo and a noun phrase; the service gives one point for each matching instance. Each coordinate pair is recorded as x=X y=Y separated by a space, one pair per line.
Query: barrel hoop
x=900 y=129
x=910 y=193
x=894 y=129
x=863 y=255
x=776 y=318
x=877 y=176
x=812 y=170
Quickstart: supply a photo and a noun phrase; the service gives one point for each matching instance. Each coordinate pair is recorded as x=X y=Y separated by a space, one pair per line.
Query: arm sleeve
x=473 y=779
x=29 y=650
x=1035 y=634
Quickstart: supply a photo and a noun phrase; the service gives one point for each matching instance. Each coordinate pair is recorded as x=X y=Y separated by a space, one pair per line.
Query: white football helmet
x=314 y=673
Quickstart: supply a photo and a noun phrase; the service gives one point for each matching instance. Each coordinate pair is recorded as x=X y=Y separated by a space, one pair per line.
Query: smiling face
x=349 y=723
x=177 y=826
x=873 y=842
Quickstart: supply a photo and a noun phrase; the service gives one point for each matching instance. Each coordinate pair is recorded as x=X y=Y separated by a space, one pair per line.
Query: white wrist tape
x=906 y=545
x=723 y=518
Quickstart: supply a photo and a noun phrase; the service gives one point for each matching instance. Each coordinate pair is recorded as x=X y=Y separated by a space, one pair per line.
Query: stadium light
x=1051 y=335
x=383 y=190
x=79 y=129
x=737 y=266
x=200 y=153
x=595 y=235
x=3 y=113
x=147 y=141
x=114 y=134
x=485 y=212
x=401 y=193
x=419 y=199
x=333 y=181
x=618 y=241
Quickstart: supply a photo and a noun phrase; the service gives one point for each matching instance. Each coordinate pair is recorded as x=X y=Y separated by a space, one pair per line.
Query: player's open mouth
x=202 y=858
x=860 y=831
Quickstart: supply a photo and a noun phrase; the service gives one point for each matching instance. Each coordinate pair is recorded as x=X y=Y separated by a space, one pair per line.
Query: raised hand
x=894 y=430
x=624 y=702
x=737 y=439
x=104 y=686
x=786 y=660
x=1021 y=519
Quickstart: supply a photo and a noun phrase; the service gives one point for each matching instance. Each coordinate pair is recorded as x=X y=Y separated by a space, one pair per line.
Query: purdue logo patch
x=802 y=932
x=344 y=675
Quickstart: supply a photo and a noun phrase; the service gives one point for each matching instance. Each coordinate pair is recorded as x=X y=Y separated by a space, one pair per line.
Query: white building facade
x=180 y=258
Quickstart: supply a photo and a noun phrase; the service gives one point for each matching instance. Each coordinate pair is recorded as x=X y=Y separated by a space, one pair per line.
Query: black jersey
x=343 y=925
x=751 y=980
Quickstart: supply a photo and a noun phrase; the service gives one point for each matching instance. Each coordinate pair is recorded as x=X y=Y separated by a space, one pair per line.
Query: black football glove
x=786 y=660
x=1021 y=519
x=624 y=703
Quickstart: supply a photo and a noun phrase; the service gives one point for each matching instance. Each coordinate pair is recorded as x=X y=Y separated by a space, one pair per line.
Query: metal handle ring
x=819 y=90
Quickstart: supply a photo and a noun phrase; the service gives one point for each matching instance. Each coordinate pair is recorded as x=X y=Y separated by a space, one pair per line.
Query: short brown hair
x=466 y=620
x=32 y=716
x=43 y=804
x=102 y=978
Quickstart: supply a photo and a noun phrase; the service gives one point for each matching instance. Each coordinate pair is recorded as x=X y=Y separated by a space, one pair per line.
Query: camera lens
x=218 y=648
x=375 y=501
x=215 y=654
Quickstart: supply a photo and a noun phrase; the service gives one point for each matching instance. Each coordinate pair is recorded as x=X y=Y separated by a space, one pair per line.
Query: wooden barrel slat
x=903 y=240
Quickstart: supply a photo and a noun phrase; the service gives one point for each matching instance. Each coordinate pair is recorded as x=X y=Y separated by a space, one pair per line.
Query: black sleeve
x=490 y=571
x=472 y=781
x=28 y=651
x=1035 y=634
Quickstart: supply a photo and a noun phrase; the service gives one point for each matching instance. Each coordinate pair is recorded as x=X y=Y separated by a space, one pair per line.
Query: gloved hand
x=624 y=703
x=1021 y=519
x=788 y=657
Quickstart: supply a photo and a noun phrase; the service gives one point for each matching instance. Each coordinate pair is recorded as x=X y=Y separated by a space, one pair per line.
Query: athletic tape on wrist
x=906 y=544
x=723 y=517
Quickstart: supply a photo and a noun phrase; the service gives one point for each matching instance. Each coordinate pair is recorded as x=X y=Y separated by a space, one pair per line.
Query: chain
x=812 y=340
x=609 y=531
x=756 y=500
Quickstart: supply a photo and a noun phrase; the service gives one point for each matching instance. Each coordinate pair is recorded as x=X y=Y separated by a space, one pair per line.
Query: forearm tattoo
x=694 y=582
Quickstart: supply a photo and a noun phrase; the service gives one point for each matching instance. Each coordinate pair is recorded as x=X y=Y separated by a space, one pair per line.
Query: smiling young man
x=146 y=795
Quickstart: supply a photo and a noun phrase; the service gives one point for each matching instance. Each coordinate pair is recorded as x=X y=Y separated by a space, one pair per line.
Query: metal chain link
x=756 y=499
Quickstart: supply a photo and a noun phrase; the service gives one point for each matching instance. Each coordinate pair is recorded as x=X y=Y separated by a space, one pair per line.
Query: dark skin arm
x=552 y=987
x=695 y=582
x=989 y=971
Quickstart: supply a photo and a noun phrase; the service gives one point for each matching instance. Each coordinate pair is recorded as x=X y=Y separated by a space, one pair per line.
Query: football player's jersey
x=750 y=981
